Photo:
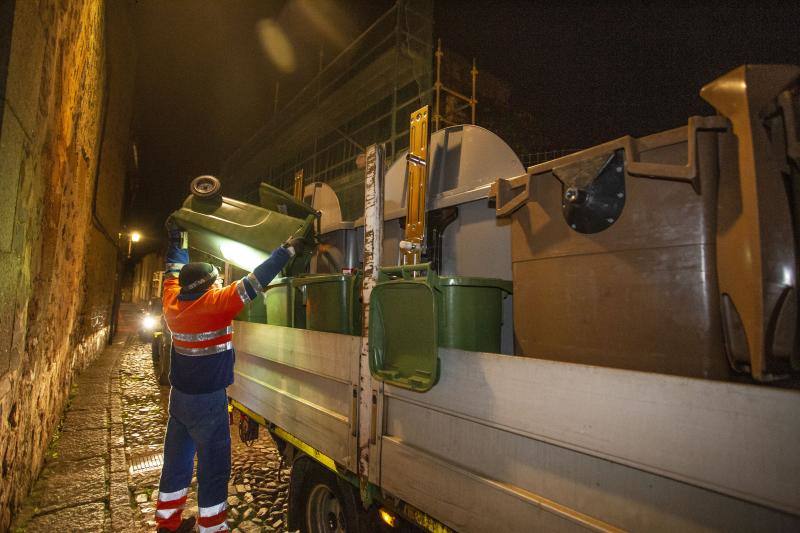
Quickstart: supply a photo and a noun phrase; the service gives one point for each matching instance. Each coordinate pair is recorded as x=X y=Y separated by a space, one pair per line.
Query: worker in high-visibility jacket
x=199 y=316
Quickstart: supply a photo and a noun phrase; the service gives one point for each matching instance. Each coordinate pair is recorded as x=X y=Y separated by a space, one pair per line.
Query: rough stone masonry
x=66 y=70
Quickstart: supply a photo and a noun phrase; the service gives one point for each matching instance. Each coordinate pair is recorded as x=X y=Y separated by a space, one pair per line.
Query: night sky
x=586 y=71
x=593 y=71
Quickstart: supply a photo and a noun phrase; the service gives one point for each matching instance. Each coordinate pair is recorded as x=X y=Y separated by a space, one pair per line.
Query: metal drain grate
x=146 y=463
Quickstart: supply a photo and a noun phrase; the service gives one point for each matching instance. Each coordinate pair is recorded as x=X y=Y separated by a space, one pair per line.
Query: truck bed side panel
x=628 y=449
x=299 y=380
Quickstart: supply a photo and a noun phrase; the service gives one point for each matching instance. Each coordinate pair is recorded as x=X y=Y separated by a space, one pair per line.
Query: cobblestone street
x=257 y=498
x=104 y=464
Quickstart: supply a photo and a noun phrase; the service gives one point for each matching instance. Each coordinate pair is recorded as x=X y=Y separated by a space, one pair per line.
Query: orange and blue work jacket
x=202 y=353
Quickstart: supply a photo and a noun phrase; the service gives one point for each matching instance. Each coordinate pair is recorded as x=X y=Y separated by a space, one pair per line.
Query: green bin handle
x=405 y=272
x=301 y=233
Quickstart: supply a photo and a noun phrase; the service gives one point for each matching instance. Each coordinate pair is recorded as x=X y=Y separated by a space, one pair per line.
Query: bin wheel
x=165 y=353
x=205 y=187
x=320 y=502
x=155 y=345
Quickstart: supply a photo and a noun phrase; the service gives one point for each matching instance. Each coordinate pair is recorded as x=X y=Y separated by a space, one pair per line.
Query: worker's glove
x=294 y=245
x=174 y=230
x=171 y=224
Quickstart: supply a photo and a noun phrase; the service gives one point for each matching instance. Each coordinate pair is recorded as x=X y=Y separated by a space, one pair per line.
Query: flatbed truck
x=509 y=443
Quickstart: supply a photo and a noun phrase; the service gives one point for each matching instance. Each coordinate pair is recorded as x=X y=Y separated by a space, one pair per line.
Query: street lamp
x=133 y=237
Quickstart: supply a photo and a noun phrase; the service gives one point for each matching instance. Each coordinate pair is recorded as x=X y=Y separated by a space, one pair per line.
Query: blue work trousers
x=198 y=423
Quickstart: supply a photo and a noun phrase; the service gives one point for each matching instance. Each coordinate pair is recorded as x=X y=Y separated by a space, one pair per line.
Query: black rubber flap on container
x=593 y=191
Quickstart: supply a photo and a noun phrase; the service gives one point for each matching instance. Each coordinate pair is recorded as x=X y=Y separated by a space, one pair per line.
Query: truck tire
x=322 y=502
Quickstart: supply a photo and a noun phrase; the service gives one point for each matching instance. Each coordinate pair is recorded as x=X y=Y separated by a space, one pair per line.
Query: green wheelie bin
x=413 y=312
x=284 y=304
x=332 y=302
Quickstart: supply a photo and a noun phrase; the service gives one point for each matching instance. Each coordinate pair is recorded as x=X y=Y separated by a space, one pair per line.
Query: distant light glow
x=276 y=45
x=242 y=255
x=788 y=276
x=135 y=236
x=149 y=322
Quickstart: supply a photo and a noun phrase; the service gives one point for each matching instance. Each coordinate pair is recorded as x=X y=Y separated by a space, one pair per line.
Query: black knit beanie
x=197 y=277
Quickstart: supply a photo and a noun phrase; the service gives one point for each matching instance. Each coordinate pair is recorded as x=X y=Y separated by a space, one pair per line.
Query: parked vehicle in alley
x=150 y=320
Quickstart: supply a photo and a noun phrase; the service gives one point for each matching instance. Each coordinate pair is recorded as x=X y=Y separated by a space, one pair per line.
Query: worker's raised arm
x=247 y=288
x=176 y=258
x=257 y=280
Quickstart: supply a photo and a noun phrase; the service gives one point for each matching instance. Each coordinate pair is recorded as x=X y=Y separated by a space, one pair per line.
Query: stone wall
x=64 y=145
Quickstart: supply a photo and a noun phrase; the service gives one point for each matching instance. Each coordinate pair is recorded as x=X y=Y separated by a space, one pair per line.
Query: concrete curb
x=120 y=503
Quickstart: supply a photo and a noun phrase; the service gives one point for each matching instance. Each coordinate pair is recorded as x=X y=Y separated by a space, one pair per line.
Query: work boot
x=187 y=525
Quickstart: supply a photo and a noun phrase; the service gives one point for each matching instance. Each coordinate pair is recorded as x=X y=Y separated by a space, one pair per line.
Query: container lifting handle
x=506 y=205
x=407 y=272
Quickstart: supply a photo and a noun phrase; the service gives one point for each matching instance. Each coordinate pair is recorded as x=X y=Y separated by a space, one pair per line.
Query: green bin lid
x=280 y=281
x=464 y=281
x=323 y=278
x=403 y=341
x=279 y=200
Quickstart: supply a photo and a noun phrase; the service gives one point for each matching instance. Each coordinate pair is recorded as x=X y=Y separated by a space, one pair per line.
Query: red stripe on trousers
x=171 y=504
x=172 y=523
x=174 y=519
x=211 y=521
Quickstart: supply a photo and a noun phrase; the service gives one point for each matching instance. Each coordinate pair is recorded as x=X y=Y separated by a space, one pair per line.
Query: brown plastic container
x=627 y=255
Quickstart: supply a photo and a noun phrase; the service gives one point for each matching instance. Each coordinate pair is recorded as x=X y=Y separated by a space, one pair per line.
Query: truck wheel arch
x=307 y=474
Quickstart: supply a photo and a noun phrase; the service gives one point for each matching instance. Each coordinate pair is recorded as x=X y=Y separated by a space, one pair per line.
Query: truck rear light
x=388 y=517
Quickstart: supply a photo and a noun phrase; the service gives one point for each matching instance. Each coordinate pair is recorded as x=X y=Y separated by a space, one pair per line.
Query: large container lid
x=464 y=161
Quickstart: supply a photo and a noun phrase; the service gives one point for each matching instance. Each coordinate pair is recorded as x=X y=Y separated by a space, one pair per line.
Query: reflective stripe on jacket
x=202 y=351
x=202 y=354
x=199 y=325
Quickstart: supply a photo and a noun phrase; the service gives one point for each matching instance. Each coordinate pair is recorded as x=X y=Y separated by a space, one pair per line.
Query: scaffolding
x=363 y=96
x=439 y=88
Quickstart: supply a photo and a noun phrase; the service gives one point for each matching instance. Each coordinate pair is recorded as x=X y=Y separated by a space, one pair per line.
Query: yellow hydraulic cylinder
x=417 y=179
